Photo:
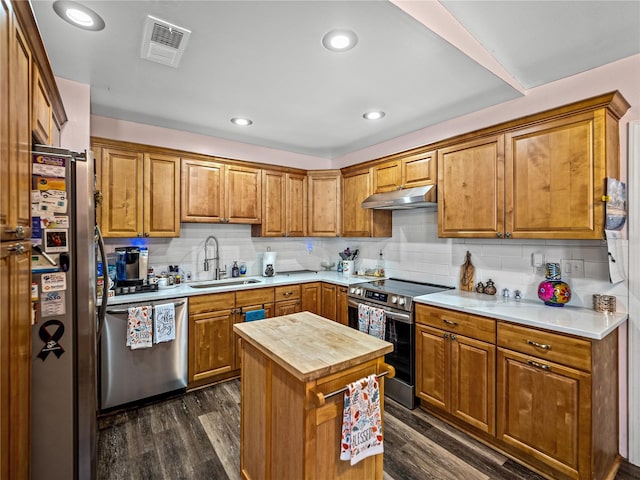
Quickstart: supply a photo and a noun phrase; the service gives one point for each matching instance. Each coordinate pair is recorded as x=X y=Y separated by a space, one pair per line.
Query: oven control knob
x=394 y=299
x=401 y=301
x=358 y=291
x=352 y=290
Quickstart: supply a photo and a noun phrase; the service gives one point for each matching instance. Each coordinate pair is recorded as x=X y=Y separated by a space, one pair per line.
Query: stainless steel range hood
x=418 y=197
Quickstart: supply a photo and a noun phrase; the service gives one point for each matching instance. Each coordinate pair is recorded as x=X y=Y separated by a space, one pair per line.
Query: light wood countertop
x=310 y=346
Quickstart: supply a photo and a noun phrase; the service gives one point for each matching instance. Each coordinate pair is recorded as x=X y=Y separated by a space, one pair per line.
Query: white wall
x=76 y=97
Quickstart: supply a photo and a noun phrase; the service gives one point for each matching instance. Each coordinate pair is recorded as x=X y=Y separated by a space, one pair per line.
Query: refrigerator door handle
x=102 y=311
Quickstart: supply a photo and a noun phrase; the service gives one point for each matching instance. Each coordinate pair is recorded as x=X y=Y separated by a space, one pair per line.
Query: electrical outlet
x=573 y=268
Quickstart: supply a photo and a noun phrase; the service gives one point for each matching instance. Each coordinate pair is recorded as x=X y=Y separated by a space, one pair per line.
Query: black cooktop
x=404 y=287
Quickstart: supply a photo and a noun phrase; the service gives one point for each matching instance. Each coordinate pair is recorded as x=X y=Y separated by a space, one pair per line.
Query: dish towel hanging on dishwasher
x=139 y=327
x=164 y=323
x=363 y=317
x=254 y=315
x=361 y=421
x=377 y=322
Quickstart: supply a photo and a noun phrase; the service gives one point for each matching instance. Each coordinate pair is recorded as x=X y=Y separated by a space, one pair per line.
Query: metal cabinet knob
x=18 y=231
x=499 y=234
x=19 y=248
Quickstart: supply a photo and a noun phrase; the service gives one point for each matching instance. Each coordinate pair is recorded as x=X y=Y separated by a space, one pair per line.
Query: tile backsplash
x=414 y=252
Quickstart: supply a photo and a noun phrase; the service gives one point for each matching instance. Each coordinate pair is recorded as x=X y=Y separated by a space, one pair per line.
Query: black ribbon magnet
x=51 y=344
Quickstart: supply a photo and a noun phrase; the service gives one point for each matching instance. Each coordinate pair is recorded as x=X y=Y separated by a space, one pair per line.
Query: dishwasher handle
x=120 y=311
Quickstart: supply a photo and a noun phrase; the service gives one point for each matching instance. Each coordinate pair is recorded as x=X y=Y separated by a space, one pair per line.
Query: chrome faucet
x=218 y=274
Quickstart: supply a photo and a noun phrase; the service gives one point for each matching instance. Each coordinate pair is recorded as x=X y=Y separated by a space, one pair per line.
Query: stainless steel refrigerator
x=64 y=333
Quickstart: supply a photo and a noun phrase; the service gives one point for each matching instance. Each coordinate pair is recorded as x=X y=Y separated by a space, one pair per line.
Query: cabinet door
x=42 y=118
x=342 y=309
x=432 y=366
x=471 y=189
x=122 y=193
x=473 y=382
x=296 y=205
x=202 y=191
x=356 y=221
x=211 y=341
x=288 y=307
x=329 y=305
x=15 y=360
x=5 y=116
x=274 y=204
x=545 y=409
x=243 y=191
x=161 y=195
x=419 y=169
x=555 y=179
x=324 y=204
x=15 y=168
x=311 y=295
x=387 y=176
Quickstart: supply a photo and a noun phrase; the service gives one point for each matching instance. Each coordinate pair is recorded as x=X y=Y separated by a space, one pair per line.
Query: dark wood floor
x=196 y=436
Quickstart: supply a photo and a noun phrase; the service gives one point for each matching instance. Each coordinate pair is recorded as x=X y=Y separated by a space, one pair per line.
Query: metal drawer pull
x=286 y=294
x=538 y=365
x=450 y=322
x=539 y=345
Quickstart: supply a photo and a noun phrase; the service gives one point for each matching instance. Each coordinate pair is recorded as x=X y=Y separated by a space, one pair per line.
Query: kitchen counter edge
x=571 y=320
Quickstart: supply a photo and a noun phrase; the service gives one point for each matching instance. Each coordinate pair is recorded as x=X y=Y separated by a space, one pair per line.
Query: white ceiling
x=265 y=60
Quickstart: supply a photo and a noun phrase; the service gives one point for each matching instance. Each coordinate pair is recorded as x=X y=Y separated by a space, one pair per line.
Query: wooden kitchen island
x=289 y=430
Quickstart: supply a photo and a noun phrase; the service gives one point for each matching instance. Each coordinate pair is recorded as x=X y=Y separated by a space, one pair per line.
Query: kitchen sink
x=224 y=283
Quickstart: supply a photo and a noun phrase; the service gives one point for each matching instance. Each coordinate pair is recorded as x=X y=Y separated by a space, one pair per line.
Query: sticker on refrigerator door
x=54 y=282
x=55 y=240
x=35 y=295
x=51 y=332
x=53 y=201
x=52 y=303
x=54 y=221
x=49 y=166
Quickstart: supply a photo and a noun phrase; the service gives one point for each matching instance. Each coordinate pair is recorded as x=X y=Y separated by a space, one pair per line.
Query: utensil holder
x=604 y=303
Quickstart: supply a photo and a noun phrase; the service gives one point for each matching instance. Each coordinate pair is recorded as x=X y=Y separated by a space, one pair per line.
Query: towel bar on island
x=319 y=397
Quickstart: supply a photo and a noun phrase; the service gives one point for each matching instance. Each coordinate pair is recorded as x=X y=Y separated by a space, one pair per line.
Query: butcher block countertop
x=309 y=346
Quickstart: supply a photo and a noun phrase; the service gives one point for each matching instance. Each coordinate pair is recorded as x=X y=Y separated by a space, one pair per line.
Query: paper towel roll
x=269 y=258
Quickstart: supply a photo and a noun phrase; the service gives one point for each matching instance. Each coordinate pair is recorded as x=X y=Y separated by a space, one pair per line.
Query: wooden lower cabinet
x=558 y=402
x=547 y=399
x=212 y=344
x=311 y=294
x=456 y=374
x=329 y=304
x=288 y=300
x=342 y=309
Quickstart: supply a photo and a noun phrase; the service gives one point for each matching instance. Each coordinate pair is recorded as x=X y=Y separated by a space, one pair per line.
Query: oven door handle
x=400 y=317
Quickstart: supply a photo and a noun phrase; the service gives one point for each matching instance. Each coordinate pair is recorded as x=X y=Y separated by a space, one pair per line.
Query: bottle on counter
x=235 y=270
x=243 y=270
x=380 y=265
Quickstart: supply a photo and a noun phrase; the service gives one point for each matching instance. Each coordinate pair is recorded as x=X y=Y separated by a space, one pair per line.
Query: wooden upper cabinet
x=161 y=195
x=140 y=194
x=324 y=206
x=543 y=176
x=555 y=176
x=202 y=191
x=243 y=194
x=414 y=169
x=42 y=111
x=284 y=205
x=358 y=221
x=15 y=167
x=471 y=189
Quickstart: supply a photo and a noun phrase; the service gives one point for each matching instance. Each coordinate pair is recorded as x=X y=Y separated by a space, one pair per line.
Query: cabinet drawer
x=211 y=303
x=472 y=326
x=550 y=346
x=287 y=292
x=254 y=297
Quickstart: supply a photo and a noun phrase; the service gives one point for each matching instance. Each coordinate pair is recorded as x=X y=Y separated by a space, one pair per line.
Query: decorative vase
x=552 y=290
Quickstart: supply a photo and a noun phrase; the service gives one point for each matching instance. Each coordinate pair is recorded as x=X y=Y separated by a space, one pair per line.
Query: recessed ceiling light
x=374 y=115
x=78 y=15
x=241 y=122
x=340 y=40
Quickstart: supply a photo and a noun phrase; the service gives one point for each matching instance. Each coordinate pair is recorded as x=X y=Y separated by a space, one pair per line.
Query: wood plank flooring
x=197 y=436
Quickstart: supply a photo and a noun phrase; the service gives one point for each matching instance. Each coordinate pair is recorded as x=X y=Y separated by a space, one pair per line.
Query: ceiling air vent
x=164 y=42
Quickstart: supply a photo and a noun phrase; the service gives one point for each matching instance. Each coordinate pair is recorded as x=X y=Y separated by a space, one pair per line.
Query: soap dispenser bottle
x=235 y=270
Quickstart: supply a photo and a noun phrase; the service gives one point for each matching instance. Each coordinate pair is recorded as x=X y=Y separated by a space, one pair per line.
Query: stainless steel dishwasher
x=128 y=375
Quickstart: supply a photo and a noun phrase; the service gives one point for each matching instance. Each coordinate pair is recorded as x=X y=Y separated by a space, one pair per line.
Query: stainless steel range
x=395 y=298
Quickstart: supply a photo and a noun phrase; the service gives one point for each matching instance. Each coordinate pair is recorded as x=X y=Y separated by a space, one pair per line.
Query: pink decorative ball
x=554 y=293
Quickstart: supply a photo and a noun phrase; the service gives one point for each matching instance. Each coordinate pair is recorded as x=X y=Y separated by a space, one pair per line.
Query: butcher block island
x=290 y=421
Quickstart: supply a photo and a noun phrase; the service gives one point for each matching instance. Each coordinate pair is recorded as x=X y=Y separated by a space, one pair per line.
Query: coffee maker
x=131 y=266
